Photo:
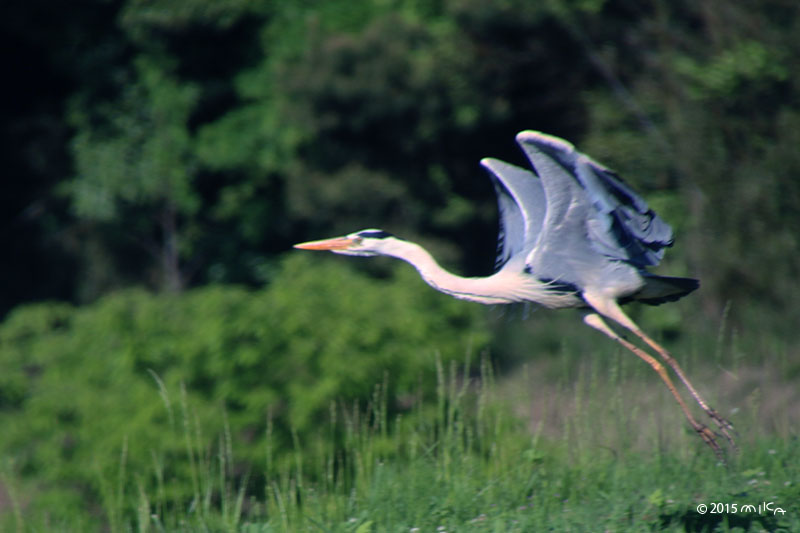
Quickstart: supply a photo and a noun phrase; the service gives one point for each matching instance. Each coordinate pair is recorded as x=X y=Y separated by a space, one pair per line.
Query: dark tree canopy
x=172 y=144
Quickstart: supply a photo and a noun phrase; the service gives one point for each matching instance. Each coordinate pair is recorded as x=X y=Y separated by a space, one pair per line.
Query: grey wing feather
x=521 y=203
x=619 y=224
x=562 y=252
x=624 y=227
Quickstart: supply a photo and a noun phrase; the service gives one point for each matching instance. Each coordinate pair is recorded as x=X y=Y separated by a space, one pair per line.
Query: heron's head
x=365 y=243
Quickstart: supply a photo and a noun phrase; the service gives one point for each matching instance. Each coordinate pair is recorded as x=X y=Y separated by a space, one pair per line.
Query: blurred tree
x=370 y=121
x=137 y=180
x=46 y=52
x=216 y=134
x=141 y=158
x=716 y=82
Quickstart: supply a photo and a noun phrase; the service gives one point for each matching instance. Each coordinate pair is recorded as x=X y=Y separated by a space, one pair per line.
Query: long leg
x=611 y=309
x=594 y=320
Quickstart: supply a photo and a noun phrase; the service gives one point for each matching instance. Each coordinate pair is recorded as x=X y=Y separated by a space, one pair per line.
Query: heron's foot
x=725 y=427
x=710 y=438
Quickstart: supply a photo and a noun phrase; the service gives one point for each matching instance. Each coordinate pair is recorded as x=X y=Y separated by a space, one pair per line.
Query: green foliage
x=141 y=155
x=138 y=159
x=143 y=19
x=594 y=458
x=734 y=71
x=200 y=161
x=206 y=137
x=80 y=387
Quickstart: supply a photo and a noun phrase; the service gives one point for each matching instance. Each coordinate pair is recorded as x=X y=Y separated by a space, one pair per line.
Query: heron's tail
x=660 y=289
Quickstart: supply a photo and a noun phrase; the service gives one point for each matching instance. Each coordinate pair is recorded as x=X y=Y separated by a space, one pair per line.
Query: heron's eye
x=357 y=241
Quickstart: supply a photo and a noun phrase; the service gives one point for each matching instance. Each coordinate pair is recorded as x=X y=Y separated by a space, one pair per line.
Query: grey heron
x=572 y=235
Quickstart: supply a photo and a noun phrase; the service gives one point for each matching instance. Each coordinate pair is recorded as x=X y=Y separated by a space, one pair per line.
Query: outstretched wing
x=521 y=202
x=590 y=209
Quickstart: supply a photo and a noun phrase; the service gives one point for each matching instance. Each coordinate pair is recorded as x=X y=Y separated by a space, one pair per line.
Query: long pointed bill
x=337 y=243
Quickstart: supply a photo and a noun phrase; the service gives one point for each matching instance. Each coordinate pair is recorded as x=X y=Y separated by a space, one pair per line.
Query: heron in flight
x=575 y=236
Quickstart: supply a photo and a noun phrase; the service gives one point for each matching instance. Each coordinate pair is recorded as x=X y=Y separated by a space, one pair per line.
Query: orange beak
x=337 y=243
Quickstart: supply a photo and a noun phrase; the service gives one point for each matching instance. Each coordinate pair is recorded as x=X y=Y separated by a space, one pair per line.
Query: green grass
x=591 y=446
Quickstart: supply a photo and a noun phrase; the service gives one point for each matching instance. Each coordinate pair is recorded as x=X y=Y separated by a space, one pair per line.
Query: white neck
x=501 y=288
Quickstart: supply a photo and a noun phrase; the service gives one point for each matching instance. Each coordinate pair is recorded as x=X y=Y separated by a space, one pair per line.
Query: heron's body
x=572 y=235
x=515 y=282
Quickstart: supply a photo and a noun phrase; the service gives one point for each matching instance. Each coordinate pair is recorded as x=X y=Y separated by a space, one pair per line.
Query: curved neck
x=487 y=290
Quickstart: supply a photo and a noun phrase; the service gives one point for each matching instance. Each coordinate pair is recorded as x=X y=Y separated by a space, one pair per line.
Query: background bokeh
x=162 y=156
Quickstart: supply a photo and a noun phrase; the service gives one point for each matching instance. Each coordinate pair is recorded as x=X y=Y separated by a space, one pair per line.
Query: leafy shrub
x=83 y=390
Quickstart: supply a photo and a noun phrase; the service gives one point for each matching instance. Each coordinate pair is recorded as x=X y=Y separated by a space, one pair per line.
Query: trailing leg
x=594 y=320
x=611 y=309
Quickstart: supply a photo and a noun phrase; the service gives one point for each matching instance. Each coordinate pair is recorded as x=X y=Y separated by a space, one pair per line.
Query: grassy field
x=583 y=440
x=605 y=451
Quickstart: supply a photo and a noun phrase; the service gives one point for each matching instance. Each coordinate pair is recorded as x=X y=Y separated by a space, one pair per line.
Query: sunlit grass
x=593 y=444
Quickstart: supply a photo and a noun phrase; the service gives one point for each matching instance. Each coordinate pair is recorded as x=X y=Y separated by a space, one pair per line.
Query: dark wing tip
x=663 y=289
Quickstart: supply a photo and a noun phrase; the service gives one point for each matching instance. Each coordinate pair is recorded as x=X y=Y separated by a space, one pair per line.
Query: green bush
x=84 y=390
